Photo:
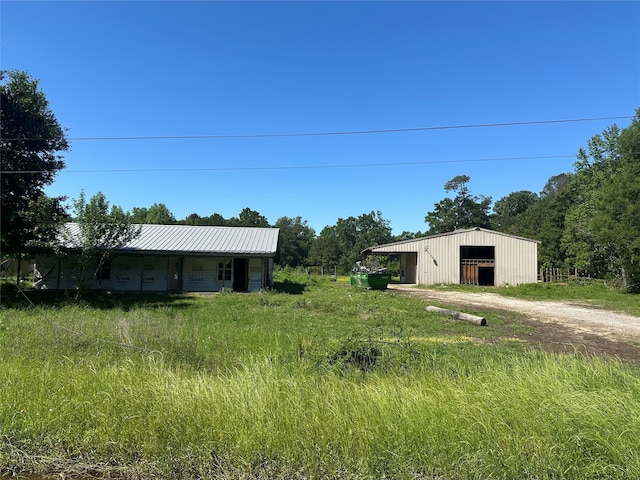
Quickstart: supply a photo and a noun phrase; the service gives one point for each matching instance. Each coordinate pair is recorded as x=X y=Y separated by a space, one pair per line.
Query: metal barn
x=173 y=258
x=474 y=256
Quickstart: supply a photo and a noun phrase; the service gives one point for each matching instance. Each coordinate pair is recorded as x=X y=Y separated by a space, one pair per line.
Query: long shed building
x=475 y=256
x=172 y=258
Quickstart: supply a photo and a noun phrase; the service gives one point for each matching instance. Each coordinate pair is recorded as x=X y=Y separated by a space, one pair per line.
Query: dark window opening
x=104 y=272
x=478 y=253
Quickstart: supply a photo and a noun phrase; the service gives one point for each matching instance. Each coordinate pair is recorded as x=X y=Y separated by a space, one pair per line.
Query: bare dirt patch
x=553 y=326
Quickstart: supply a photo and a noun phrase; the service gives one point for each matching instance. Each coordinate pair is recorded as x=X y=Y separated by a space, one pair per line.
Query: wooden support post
x=458 y=315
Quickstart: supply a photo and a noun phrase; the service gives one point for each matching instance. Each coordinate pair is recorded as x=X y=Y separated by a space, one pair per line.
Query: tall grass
x=274 y=385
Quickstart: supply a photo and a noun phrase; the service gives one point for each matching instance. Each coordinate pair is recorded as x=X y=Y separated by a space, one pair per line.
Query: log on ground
x=458 y=315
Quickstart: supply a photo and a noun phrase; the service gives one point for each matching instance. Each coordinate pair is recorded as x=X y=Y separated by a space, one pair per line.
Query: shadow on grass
x=12 y=297
x=287 y=286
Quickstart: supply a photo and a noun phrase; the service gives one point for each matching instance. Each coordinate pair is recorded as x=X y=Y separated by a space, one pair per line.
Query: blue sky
x=247 y=74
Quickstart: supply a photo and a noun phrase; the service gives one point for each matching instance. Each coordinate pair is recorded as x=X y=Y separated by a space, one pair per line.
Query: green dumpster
x=374 y=281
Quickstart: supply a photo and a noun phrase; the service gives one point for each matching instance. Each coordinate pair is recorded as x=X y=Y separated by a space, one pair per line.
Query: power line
x=335 y=133
x=291 y=167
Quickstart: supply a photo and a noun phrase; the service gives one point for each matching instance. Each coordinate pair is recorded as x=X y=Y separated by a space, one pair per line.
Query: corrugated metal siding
x=516 y=258
x=188 y=239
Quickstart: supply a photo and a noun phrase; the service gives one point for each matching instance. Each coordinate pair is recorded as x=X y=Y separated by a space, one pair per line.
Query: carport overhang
x=386 y=250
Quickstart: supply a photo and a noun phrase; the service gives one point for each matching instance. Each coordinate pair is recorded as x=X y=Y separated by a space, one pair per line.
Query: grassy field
x=313 y=380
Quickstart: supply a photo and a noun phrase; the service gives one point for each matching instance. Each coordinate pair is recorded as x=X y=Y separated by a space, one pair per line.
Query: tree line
x=587 y=219
x=336 y=246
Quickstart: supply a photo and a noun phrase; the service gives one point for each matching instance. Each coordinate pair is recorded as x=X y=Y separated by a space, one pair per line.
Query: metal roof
x=373 y=249
x=187 y=239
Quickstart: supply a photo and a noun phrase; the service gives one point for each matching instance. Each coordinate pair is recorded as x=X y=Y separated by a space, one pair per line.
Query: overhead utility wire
x=353 y=132
x=286 y=167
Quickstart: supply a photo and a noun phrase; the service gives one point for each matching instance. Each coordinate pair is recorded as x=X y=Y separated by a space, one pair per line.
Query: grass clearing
x=329 y=381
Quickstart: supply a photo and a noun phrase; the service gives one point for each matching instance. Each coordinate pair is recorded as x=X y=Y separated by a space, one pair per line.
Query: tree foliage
x=462 y=211
x=212 y=220
x=544 y=220
x=324 y=251
x=616 y=221
x=103 y=229
x=156 y=214
x=507 y=210
x=341 y=245
x=30 y=140
x=295 y=240
x=595 y=165
x=248 y=218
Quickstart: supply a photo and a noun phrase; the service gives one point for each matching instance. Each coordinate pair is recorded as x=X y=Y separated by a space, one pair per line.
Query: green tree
x=354 y=234
x=616 y=219
x=324 y=251
x=30 y=140
x=47 y=215
x=544 y=220
x=102 y=229
x=595 y=166
x=139 y=215
x=212 y=220
x=295 y=240
x=216 y=219
x=156 y=214
x=192 y=219
x=248 y=218
x=508 y=209
x=405 y=235
x=462 y=211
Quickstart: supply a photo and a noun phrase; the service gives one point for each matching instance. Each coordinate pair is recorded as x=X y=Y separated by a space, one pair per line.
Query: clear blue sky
x=239 y=70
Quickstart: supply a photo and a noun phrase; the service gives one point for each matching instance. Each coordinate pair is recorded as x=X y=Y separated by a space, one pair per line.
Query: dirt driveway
x=555 y=326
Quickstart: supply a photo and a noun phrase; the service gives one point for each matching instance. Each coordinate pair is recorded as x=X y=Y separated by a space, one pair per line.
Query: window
x=104 y=273
x=224 y=270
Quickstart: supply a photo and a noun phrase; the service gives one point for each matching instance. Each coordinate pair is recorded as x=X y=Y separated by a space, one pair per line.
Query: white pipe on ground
x=458 y=315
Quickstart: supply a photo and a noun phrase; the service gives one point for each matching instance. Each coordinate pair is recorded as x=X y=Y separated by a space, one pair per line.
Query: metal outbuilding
x=173 y=258
x=475 y=256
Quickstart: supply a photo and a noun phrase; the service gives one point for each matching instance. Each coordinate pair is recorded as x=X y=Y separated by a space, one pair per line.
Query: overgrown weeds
x=335 y=382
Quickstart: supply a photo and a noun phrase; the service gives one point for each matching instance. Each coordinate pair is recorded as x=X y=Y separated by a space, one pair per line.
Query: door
x=174 y=271
x=408 y=268
x=240 y=277
x=477 y=265
x=485 y=276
